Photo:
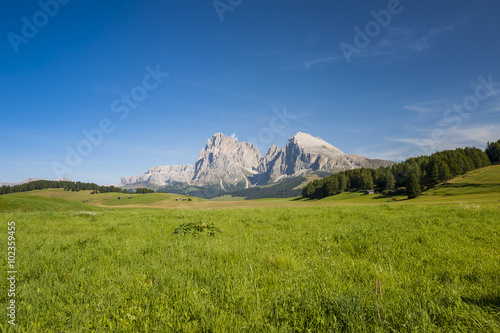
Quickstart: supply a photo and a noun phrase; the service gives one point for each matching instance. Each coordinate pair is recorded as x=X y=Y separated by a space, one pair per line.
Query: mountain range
x=226 y=164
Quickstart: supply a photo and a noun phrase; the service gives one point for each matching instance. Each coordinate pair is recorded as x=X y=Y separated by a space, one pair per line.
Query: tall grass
x=327 y=269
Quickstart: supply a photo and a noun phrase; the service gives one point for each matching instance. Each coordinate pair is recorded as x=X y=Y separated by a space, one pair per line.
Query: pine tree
x=444 y=172
x=390 y=181
x=366 y=179
x=493 y=151
x=434 y=174
x=342 y=182
x=413 y=187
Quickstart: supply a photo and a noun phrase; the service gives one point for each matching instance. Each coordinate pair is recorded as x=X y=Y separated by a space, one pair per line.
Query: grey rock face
x=163 y=175
x=304 y=153
x=225 y=160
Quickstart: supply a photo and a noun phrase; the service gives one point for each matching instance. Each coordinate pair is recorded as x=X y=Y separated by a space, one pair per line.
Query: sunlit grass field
x=283 y=269
x=342 y=264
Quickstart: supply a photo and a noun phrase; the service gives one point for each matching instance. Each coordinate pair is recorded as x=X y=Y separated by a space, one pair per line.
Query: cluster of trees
x=493 y=151
x=415 y=174
x=67 y=185
x=144 y=190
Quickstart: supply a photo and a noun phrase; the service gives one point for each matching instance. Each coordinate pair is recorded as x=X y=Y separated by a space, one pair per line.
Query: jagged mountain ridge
x=228 y=162
x=163 y=175
x=304 y=153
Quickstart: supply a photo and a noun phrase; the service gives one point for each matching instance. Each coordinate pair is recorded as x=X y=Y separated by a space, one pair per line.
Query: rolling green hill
x=480 y=186
x=487 y=175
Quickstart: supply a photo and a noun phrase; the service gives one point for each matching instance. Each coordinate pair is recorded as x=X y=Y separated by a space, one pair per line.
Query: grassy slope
x=309 y=178
x=38 y=200
x=488 y=175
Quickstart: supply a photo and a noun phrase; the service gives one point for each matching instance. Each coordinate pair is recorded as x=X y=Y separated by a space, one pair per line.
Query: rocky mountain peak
x=226 y=160
x=218 y=139
x=311 y=143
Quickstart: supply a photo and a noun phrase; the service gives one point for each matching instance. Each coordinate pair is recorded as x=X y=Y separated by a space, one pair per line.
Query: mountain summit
x=304 y=153
x=227 y=162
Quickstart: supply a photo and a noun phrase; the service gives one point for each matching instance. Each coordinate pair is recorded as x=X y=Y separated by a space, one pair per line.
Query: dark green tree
x=434 y=173
x=444 y=172
x=493 y=151
x=390 y=181
x=366 y=179
x=413 y=187
x=342 y=182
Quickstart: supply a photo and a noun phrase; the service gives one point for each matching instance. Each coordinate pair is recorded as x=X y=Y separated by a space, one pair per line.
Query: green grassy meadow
x=347 y=263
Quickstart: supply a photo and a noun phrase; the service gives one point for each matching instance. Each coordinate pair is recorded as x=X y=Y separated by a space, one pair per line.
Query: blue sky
x=422 y=78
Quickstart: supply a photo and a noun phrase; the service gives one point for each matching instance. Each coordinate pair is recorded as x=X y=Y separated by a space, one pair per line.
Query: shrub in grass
x=195 y=228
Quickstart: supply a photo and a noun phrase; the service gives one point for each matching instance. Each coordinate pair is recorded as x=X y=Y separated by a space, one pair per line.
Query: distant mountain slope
x=162 y=175
x=287 y=188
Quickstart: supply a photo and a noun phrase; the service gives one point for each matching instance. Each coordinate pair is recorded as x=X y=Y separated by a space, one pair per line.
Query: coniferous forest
x=67 y=185
x=411 y=176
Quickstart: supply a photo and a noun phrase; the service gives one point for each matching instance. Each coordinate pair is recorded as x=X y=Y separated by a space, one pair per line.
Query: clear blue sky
x=394 y=98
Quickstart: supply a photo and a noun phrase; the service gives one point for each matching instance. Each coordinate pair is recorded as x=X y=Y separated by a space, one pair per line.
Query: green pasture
x=275 y=269
x=346 y=263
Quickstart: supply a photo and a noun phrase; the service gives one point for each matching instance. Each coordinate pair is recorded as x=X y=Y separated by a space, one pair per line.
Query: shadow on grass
x=489 y=301
x=462 y=185
x=306 y=199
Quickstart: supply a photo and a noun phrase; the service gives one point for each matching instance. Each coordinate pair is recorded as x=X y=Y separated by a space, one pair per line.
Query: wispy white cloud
x=398 y=41
x=395 y=154
x=424 y=42
x=417 y=108
x=474 y=135
x=321 y=61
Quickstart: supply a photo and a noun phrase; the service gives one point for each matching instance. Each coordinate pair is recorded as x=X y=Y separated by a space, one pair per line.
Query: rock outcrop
x=225 y=160
x=163 y=175
x=304 y=153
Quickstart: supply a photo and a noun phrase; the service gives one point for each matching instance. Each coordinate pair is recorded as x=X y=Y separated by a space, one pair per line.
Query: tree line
x=411 y=176
x=143 y=190
x=67 y=185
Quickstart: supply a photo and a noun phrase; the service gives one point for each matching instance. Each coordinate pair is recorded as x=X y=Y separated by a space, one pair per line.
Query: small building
x=369 y=192
x=119 y=198
x=130 y=197
x=177 y=199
